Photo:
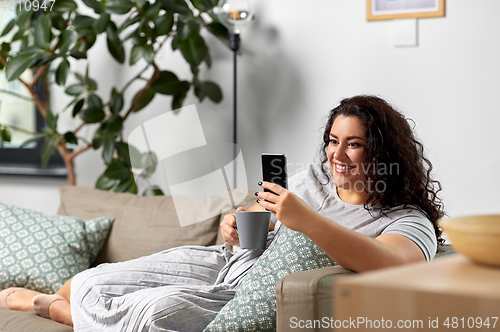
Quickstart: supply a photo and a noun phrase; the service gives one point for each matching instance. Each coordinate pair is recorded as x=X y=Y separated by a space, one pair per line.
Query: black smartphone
x=274 y=169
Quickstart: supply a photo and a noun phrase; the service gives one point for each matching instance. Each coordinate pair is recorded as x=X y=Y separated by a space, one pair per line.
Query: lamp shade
x=235 y=14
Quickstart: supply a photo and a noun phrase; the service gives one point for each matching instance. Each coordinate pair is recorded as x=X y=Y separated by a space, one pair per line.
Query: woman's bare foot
x=53 y=307
x=21 y=299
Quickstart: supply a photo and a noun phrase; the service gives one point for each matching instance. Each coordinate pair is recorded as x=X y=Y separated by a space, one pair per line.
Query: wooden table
x=451 y=293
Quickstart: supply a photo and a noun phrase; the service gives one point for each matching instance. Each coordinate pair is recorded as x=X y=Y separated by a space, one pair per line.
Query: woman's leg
x=19 y=299
x=119 y=296
x=55 y=306
x=65 y=290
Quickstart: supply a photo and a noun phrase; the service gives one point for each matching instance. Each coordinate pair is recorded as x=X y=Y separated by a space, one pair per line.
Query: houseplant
x=49 y=39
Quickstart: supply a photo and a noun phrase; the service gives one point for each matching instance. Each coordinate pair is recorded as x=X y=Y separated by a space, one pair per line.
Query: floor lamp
x=235 y=14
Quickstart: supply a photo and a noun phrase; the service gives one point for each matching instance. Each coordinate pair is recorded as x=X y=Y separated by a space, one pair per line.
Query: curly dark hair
x=391 y=142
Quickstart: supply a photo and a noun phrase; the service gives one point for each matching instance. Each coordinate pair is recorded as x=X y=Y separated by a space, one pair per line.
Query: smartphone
x=274 y=169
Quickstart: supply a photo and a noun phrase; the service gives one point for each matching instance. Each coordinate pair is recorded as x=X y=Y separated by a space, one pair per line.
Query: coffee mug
x=252 y=228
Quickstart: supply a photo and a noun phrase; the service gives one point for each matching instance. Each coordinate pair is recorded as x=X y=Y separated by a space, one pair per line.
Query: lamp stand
x=234 y=44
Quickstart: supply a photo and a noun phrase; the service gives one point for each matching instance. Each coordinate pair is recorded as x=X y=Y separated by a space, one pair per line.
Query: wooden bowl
x=477 y=237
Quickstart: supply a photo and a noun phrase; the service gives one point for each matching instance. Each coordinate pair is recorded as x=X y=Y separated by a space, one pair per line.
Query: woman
x=371 y=203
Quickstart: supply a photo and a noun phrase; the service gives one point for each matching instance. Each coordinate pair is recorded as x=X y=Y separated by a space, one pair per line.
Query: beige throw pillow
x=143 y=225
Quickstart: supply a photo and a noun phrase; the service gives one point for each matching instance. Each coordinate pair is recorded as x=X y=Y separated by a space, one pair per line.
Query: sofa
x=145 y=225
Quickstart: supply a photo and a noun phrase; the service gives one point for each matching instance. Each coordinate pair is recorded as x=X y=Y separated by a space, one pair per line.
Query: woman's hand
x=292 y=211
x=228 y=228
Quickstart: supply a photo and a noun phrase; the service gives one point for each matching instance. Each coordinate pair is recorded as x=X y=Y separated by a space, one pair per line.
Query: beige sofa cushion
x=143 y=225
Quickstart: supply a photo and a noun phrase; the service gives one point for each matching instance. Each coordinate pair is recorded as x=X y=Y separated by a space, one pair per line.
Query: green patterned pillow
x=254 y=305
x=42 y=252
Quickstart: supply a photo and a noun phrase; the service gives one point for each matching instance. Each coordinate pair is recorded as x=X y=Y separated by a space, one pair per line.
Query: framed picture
x=393 y=9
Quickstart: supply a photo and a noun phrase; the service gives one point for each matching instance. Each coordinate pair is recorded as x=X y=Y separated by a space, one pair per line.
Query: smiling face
x=345 y=154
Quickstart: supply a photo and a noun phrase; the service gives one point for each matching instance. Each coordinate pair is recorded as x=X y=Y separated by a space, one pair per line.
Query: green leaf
x=167 y=84
x=175 y=42
x=133 y=189
x=153 y=191
x=93 y=115
x=123 y=153
x=69 y=104
x=127 y=185
x=145 y=99
x=179 y=98
x=58 y=22
x=91 y=84
x=67 y=40
x=17 y=65
x=62 y=72
x=5 y=47
x=144 y=29
x=153 y=11
x=108 y=149
x=186 y=29
x=164 y=24
x=128 y=22
x=24 y=19
x=118 y=6
x=51 y=120
x=48 y=149
x=208 y=59
x=117 y=170
x=135 y=156
x=115 y=46
x=205 y=5
x=25 y=42
x=42 y=31
x=31 y=140
x=141 y=3
x=74 y=89
x=198 y=91
x=78 y=55
x=218 y=30
x=18 y=36
x=5 y=135
x=116 y=103
x=148 y=162
x=115 y=125
x=136 y=54
x=78 y=107
x=97 y=142
x=212 y=91
x=101 y=23
x=42 y=60
x=105 y=183
x=64 y=6
x=148 y=53
x=193 y=49
x=80 y=78
x=70 y=137
x=176 y=6
x=83 y=22
x=95 y=5
x=9 y=27
x=94 y=101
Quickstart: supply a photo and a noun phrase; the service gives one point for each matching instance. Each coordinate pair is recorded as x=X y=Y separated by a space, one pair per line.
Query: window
x=18 y=111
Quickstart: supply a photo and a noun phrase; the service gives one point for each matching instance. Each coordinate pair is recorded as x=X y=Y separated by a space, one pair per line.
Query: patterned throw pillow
x=42 y=252
x=254 y=305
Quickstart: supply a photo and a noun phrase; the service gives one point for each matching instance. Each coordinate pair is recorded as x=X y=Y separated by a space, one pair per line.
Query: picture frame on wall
x=394 y=9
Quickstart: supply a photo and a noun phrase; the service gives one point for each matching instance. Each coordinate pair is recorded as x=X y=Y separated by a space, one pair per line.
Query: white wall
x=300 y=58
